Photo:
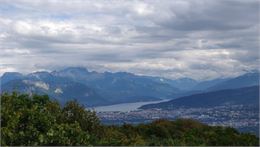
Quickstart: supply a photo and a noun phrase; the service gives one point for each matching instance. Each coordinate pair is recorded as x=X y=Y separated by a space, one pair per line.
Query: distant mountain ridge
x=89 y=88
x=240 y=96
x=93 y=88
x=120 y=86
x=246 y=80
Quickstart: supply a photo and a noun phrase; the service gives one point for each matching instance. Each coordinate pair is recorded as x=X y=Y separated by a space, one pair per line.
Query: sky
x=201 y=39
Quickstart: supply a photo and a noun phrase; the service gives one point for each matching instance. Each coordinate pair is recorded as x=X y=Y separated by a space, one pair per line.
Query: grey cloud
x=214 y=15
x=169 y=38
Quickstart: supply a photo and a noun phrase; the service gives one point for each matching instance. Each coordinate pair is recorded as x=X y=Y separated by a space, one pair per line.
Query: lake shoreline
x=123 y=107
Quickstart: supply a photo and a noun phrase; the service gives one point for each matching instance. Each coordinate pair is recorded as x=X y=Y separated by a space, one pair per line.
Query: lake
x=124 y=107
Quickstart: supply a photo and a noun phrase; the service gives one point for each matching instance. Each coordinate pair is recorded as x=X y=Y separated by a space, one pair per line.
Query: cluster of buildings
x=237 y=116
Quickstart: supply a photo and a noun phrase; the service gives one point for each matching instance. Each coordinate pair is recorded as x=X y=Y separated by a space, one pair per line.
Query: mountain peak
x=71 y=71
x=41 y=73
x=8 y=76
x=12 y=74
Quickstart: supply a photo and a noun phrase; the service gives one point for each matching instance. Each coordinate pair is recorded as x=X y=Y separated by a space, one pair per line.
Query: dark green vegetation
x=36 y=120
x=241 y=96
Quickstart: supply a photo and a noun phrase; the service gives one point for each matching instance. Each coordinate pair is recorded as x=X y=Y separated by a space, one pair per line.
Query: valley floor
x=243 y=117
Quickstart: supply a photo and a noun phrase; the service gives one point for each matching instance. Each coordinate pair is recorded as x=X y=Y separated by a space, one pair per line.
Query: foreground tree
x=36 y=120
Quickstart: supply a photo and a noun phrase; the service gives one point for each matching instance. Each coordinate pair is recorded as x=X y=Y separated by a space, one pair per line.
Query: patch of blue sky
x=7 y=8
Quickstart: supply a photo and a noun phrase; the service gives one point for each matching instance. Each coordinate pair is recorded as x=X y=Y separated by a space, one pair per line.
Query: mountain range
x=89 y=88
x=93 y=88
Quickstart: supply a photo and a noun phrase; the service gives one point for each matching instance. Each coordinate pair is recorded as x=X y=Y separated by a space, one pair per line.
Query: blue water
x=124 y=107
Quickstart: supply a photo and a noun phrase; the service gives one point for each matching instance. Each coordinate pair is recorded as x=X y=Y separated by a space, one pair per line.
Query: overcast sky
x=201 y=39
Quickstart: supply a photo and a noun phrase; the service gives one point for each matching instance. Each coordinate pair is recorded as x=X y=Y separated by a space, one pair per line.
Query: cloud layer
x=196 y=38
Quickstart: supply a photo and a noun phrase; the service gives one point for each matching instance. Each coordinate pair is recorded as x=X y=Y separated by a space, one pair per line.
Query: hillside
x=59 y=88
x=246 y=80
x=241 y=96
x=204 y=85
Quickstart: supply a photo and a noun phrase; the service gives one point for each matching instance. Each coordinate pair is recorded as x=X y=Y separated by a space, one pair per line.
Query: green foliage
x=73 y=112
x=66 y=134
x=37 y=120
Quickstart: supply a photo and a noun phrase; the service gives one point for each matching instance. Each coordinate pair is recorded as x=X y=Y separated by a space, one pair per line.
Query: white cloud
x=38 y=84
x=4 y=69
x=58 y=90
x=15 y=51
x=143 y=9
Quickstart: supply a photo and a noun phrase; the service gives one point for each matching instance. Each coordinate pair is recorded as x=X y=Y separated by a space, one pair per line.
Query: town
x=242 y=117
